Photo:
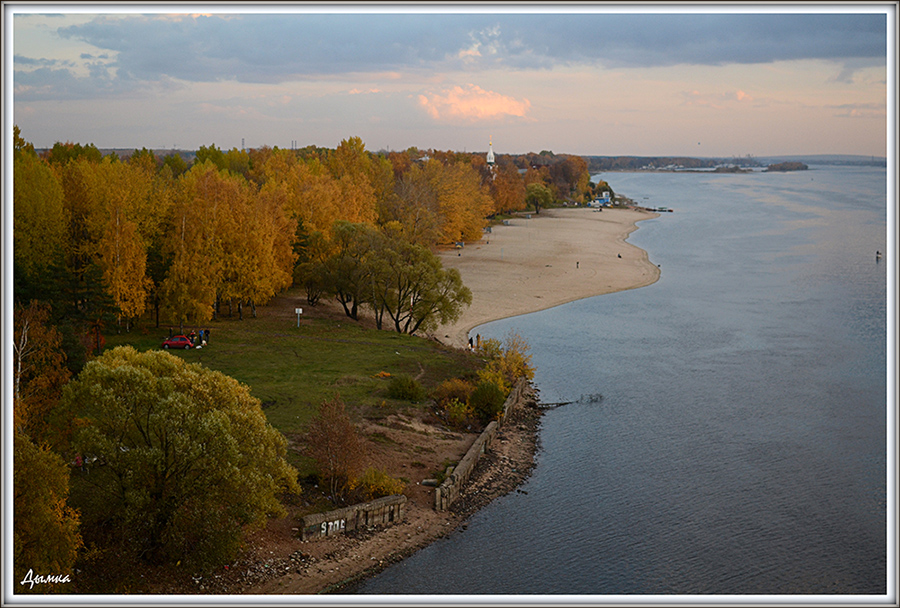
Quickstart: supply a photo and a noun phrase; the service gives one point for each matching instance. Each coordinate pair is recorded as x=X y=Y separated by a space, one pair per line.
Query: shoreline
x=338 y=565
x=554 y=258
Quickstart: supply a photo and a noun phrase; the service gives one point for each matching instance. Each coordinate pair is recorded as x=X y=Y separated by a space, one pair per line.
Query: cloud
x=858 y=110
x=472 y=103
x=276 y=48
x=716 y=101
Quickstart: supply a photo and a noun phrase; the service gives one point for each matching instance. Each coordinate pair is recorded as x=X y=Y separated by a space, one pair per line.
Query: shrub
x=405 y=388
x=458 y=413
x=454 y=389
x=507 y=362
x=487 y=401
x=375 y=483
x=492 y=375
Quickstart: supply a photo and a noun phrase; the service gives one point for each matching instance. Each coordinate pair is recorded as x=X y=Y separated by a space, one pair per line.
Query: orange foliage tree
x=335 y=445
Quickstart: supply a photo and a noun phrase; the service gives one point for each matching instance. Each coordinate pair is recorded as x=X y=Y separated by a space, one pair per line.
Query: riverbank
x=555 y=257
x=560 y=256
x=333 y=565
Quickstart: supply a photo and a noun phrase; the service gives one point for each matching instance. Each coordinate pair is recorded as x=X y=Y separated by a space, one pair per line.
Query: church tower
x=490 y=154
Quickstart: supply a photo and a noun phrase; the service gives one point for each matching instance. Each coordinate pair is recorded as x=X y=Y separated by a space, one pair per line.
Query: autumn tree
x=190 y=287
x=570 y=178
x=238 y=162
x=415 y=207
x=306 y=190
x=46 y=535
x=463 y=203
x=145 y=159
x=39 y=220
x=334 y=444
x=119 y=206
x=601 y=187
x=179 y=459
x=508 y=189
x=508 y=361
x=352 y=168
x=39 y=369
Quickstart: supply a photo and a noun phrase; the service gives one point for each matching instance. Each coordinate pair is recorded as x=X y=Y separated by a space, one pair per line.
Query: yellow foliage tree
x=46 y=539
x=189 y=289
x=353 y=169
x=124 y=262
x=39 y=220
x=462 y=201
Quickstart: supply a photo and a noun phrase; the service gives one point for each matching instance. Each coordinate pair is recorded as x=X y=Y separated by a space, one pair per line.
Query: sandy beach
x=555 y=257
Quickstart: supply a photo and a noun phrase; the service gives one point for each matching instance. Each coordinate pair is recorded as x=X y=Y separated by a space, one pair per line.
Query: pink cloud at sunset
x=471 y=102
x=716 y=101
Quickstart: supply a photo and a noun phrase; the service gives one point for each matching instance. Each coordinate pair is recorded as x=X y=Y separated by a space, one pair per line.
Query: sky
x=588 y=79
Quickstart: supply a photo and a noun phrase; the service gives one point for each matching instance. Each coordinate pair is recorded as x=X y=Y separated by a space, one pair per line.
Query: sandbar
x=534 y=262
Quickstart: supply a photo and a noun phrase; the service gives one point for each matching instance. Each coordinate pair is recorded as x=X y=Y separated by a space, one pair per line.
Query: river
x=728 y=431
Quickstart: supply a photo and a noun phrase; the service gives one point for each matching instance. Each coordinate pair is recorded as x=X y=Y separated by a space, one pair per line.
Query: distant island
x=603 y=164
x=788 y=166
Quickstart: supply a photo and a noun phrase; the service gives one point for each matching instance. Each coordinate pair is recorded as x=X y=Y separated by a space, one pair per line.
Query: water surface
x=740 y=445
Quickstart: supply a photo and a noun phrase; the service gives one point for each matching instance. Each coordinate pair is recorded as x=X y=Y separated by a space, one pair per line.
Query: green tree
x=538 y=195
x=176 y=164
x=348 y=270
x=62 y=153
x=180 y=458
x=487 y=400
x=213 y=155
x=415 y=290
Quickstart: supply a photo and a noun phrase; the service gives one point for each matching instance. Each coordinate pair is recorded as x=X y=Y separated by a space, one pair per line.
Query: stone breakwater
x=450 y=489
x=384 y=510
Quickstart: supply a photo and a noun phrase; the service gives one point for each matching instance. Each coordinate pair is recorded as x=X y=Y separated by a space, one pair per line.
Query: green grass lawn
x=293 y=370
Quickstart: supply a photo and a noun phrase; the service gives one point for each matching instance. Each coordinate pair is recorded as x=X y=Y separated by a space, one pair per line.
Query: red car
x=177 y=342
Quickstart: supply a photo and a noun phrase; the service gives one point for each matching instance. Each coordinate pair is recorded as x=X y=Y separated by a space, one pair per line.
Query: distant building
x=490 y=159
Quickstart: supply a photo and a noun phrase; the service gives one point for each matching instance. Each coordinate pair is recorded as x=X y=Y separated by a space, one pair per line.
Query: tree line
x=109 y=241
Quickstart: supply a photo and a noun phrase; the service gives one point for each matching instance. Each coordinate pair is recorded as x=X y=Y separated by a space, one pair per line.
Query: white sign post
x=299 y=312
